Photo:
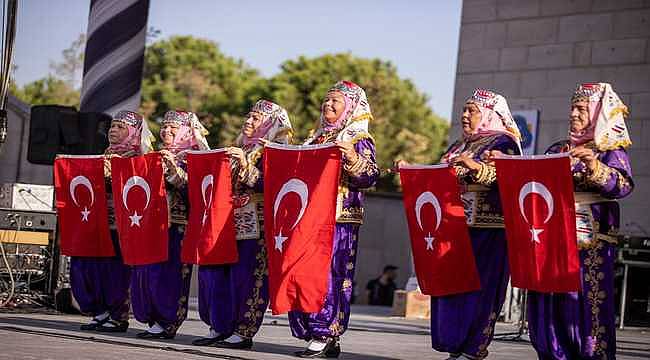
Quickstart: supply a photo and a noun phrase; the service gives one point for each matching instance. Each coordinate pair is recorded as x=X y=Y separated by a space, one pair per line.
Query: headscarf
x=275 y=125
x=606 y=117
x=353 y=122
x=495 y=116
x=139 y=140
x=191 y=133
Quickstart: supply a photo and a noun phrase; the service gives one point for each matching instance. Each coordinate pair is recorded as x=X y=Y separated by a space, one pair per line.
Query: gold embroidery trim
x=595 y=296
x=486 y=175
x=600 y=175
x=249 y=328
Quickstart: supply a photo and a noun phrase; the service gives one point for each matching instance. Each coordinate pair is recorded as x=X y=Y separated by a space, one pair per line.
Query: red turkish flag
x=81 y=206
x=210 y=233
x=442 y=250
x=140 y=208
x=539 y=213
x=300 y=189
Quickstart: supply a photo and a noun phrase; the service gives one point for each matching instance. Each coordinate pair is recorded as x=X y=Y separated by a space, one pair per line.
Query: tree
x=47 y=91
x=71 y=67
x=404 y=125
x=183 y=72
x=63 y=88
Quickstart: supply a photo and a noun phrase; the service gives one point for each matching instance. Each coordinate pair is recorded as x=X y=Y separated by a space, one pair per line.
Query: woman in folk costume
x=233 y=298
x=463 y=324
x=581 y=325
x=345 y=114
x=159 y=292
x=101 y=284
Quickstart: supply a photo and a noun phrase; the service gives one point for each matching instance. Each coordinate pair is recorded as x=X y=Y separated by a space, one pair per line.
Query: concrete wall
x=534 y=52
x=383 y=240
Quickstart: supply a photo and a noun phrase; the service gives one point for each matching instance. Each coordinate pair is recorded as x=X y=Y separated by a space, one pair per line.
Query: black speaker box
x=56 y=129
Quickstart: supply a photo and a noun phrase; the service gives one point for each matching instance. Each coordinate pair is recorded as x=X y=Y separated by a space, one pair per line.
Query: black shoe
x=206 y=341
x=152 y=336
x=118 y=326
x=93 y=324
x=331 y=350
x=245 y=344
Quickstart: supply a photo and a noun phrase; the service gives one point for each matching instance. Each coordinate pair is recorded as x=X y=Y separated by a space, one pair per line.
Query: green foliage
x=183 y=72
x=190 y=73
x=47 y=91
x=403 y=127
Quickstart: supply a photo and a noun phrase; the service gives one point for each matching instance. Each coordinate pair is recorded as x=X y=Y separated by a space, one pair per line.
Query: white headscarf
x=606 y=117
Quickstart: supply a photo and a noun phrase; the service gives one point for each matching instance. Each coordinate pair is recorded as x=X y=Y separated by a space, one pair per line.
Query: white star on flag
x=535 y=234
x=279 y=240
x=84 y=214
x=429 y=240
x=135 y=219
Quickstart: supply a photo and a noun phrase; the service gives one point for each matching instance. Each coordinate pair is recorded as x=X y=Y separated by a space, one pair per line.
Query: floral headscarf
x=139 y=140
x=191 y=133
x=495 y=116
x=275 y=126
x=495 y=119
x=606 y=117
x=353 y=122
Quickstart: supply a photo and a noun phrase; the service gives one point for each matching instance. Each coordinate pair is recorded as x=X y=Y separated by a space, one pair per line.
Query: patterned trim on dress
x=249 y=328
x=599 y=175
x=595 y=297
x=486 y=175
x=479 y=213
x=488 y=331
x=181 y=312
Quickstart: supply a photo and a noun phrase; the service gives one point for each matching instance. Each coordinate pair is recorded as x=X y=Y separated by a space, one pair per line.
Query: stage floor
x=373 y=335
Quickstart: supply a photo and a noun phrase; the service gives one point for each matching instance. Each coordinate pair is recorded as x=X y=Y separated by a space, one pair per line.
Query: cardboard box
x=411 y=304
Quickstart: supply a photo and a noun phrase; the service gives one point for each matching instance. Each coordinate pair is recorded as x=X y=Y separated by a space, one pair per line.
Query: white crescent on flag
x=84 y=181
x=424 y=198
x=81 y=180
x=208 y=180
x=427 y=197
x=135 y=181
x=298 y=187
x=534 y=187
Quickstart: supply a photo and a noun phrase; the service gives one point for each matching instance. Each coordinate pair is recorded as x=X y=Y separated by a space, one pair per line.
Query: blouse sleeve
x=612 y=175
x=363 y=173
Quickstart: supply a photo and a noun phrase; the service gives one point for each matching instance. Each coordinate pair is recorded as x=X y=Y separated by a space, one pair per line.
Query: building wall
x=383 y=240
x=535 y=52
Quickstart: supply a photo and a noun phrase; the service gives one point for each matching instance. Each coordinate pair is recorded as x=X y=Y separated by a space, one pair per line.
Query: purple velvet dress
x=464 y=323
x=581 y=325
x=101 y=284
x=159 y=292
x=332 y=320
x=234 y=297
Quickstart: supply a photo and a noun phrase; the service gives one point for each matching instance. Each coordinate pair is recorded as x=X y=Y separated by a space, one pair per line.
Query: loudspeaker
x=56 y=129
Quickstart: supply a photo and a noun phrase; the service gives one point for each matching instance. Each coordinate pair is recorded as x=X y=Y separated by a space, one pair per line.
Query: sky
x=419 y=37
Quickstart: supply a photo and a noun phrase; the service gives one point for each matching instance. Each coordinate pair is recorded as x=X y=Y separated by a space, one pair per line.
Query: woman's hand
x=399 y=163
x=348 y=151
x=168 y=159
x=263 y=141
x=489 y=156
x=586 y=155
x=237 y=154
x=465 y=160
